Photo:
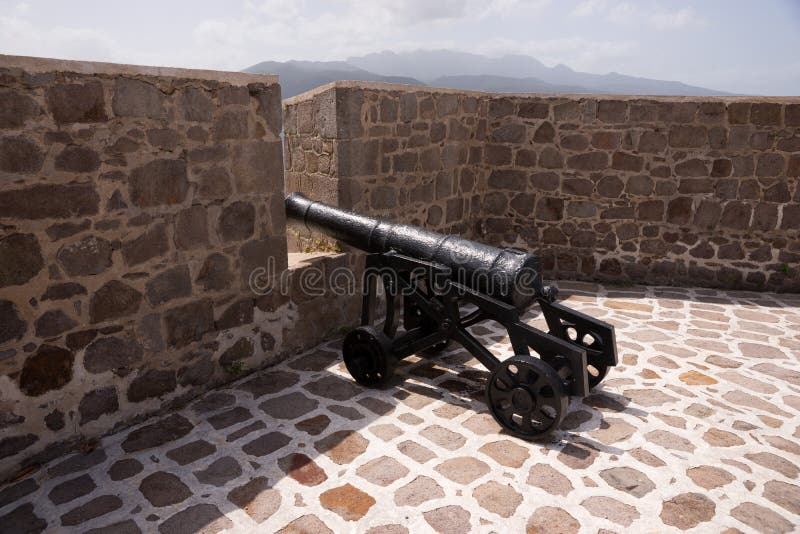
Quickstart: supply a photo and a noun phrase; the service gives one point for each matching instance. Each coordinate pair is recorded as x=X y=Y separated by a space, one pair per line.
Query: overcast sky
x=732 y=45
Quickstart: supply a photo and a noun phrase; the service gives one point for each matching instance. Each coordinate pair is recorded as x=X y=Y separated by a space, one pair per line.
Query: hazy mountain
x=428 y=65
x=299 y=76
x=504 y=84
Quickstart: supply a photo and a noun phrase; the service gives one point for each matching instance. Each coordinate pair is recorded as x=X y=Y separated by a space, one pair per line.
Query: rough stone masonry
x=660 y=190
x=134 y=204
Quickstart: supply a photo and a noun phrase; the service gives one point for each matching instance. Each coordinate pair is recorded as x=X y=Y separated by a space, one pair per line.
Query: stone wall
x=134 y=204
x=680 y=191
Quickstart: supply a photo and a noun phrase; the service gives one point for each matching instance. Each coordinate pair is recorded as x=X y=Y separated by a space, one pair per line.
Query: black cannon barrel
x=507 y=274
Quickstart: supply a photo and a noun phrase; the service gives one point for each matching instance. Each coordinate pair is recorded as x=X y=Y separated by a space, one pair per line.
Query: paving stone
x=269 y=382
x=77 y=462
x=164 y=489
x=266 y=444
x=15 y=492
x=415 y=451
x=199 y=519
x=246 y=430
x=549 y=479
x=709 y=477
x=333 y=387
x=22 y=519
x=611 y=509
x=382 y=471
x=774 y=462
x=687 y=510
x=220 y=472
x=506 y=453
x=155 y=434
x=721 y=438
x=257 y=499
x=213 y=401
x=760 y=518
x=668 y=440
x=500 y=499
x=229 y=418
x=289 y=406
x=418 y=491
x=302 y=469
x=128 y=526
x=443 y=437
x=306 y=524
x=97 y=507
x=191 y=452
x=462 y=470
x=628 y=480
x=347 y=501
x=784 y=495
x=126 y=468
x=448 y=519
x=72 y=489
x=386 y=432
x=314 y=425
x=552 y=519
x=342 y=446
x=347 y=412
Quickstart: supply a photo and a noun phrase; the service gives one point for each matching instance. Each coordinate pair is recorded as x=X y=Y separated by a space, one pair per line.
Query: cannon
x=447 y=284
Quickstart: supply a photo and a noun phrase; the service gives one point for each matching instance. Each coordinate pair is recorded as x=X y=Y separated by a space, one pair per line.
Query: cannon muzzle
x=507 y=274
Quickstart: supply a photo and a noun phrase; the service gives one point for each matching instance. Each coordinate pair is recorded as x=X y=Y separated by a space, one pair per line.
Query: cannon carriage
x=445 y=285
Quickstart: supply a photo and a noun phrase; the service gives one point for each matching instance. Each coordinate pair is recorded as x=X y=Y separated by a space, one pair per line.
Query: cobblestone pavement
x=698 y=429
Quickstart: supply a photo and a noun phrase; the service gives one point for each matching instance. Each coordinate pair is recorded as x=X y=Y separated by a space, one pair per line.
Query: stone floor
x=697 y=429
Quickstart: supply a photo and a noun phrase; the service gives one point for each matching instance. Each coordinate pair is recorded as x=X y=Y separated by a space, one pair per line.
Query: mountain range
x=461 y=70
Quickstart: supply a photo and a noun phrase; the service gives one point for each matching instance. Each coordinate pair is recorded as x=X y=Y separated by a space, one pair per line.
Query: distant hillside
x=461 y=70
x=299 y=76
x=428 y=65
x=504 y=84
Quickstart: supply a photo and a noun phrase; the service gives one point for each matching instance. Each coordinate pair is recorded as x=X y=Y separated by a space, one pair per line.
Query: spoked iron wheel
x=596 y=365
x=367 y=355
x=526 y=396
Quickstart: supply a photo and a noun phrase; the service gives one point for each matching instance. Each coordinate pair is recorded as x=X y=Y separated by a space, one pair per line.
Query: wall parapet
x=665 y=190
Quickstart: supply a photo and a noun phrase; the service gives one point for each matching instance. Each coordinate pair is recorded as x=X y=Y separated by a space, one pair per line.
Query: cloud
x=629 y=14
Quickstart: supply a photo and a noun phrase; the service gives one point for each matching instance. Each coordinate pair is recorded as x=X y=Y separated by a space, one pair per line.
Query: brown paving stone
x=687 y=510
x=126 y=468
x=302 y=469
x=418 y=491
x=347 y=501
x=213 y=401
x=448 y=519
x=219 y=472
x=198 y=519
x=229 y=418
x=410 y=419
x=784 y=444
x=720 y=438
x=500 y=499
x=343 y=446
x=245 y=430
x=506 y=452
x=648 y=397
x=127 y=526
x=612 y=430
x=314 y=425
x=482 y=424
x=784 y=495
x=153 y=435
x=388 y=529
x=266 y=444
x=577 y=455
x=22 y=519
x=72 y=489
x=415 y=451
x=307 y=524
x=14 y=492
x=668 y=440
x=269 y=382
x=386 y=432
x=552 y=520
x=696 y=378
x=382 y=471
x=709 y=477
x=348 y=412
x=463 y=469
x=611 y=509
x=257 y=499
x=95 y=508
x=549 y=479
x=761 y=519
x=629 y=480
x=774 y=462
x=191 y=452
x=289 y=406
x=443 y=437
x=376 y=406
x=333 y=387
x=164 y=489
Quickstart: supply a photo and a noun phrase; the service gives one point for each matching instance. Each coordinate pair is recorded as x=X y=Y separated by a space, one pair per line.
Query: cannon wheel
x=526 y=396
x=367 y=355
x=596 y=364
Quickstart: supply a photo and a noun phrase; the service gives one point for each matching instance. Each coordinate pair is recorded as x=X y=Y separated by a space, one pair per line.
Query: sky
x=740 y=46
